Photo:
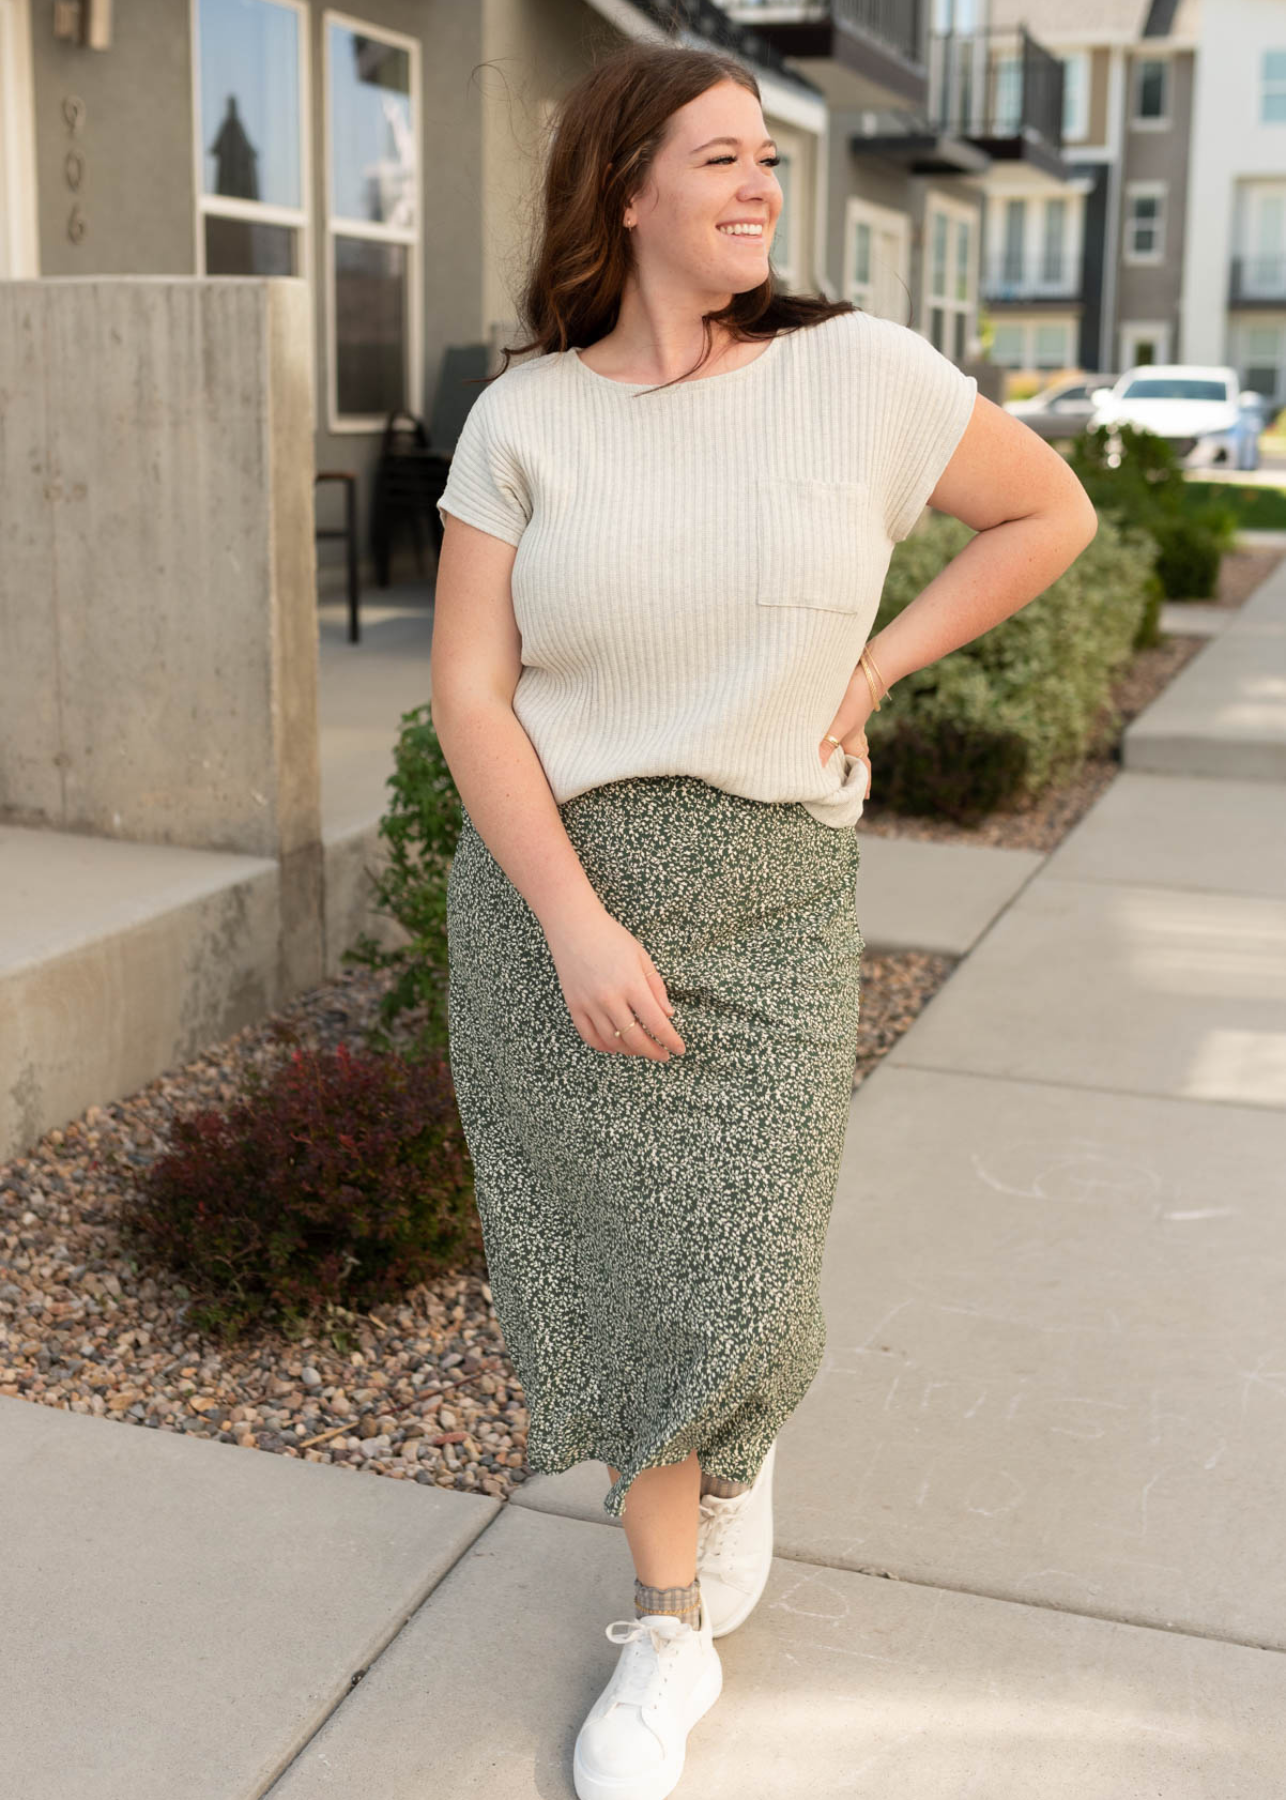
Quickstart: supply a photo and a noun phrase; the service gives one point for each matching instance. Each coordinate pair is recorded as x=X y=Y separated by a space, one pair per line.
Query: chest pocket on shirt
x=812 y=543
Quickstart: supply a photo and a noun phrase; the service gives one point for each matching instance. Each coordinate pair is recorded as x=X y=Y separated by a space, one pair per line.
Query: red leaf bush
x=342 y=1178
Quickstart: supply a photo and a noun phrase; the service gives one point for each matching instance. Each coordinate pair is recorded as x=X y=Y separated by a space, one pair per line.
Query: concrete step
x=182 y=1614
x=917 y=895
x=1223 y=715
x=119 y=961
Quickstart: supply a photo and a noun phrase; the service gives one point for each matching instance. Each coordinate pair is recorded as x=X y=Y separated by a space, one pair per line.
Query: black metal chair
x=412 y=469
x=348 y=531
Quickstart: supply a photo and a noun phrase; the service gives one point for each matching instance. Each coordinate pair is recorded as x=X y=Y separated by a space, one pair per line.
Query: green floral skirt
x=654 y=1230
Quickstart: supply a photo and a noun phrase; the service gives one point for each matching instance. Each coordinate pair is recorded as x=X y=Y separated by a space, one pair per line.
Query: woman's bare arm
x=1032 y=518
x=474 y=668
x=475 y=662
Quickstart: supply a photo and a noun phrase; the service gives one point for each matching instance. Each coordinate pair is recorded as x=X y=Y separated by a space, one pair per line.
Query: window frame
x=1027 y=329
x=1162 y=121
x=333 y=226
x=956 y=212
x=793 y=148
x=1245 y=360
x=1078 y=130
x=1129 y=331
x=1277 y=85
x=258 y=212
x=866 y=296
x=1144 y=189
x=1252 y=199
x=19 y=237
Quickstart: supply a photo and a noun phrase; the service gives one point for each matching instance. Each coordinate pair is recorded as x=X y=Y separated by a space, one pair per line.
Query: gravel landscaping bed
x=422 y=1390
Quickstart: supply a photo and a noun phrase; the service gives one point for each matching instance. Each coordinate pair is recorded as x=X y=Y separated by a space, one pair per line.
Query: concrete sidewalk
x=1027 y=1517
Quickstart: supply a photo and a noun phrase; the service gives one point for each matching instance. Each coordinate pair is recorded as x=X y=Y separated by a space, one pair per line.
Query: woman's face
x=697 y=186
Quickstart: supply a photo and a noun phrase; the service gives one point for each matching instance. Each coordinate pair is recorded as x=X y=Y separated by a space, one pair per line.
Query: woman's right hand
x=607 y=979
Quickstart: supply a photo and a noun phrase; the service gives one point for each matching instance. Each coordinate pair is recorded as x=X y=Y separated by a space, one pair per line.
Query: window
x=1151 y=91
x=1052 y=270
x=1008 y=345
x=250 y=77
x=1044 y=345
x=1052 y=347
x=862 y=255
x=1033 y=245
x=372 y=222
x=1076 y=97
x=788 y=247
x=1262 y=359
x=1008 y=102
x=1272 y=91
x=1144 y=222
x=1262 y=269
x=877 y=256
x=950 y=231
x=1011 y=267
x=1174 y=387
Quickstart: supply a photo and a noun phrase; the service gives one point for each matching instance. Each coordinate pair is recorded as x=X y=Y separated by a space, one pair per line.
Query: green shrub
x=421 y=828
x=996 y=721
x=338 y=1180
x=1146 y=489
x=1187 y=558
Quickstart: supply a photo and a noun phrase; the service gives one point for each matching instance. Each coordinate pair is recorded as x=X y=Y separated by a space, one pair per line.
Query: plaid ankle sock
x=715 y=1484
x=685 y=1602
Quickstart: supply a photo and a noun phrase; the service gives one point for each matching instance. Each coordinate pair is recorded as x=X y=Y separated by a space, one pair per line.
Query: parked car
x=1062 y=409
x=1200 y=410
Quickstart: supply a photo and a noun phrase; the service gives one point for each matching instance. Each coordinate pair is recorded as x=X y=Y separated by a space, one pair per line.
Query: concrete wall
x=136 y=193
x=532 y=54
x=157 y=597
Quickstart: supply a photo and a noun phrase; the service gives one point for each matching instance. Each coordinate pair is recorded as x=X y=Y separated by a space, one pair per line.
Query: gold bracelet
x=875 y=698
x=866 y=657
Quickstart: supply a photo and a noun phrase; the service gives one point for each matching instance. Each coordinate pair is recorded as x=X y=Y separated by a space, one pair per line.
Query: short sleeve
x=486 y=485
x=929 y=404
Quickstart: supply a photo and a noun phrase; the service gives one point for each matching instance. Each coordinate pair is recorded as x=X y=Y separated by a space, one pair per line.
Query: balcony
x=1258 y=281
x=1054 y=275
x=727 y=28
x=1002 y=91
x=872 y=50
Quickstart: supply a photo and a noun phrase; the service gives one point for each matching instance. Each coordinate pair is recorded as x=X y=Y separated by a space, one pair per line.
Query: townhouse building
x=1089 y=274
x=1233 y=255
x=1168 y=243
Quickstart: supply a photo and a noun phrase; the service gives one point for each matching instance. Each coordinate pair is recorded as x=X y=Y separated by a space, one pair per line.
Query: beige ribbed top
x=698 y=568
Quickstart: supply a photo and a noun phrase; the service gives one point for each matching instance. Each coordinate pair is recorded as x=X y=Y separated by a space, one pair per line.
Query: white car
x=1199 y=409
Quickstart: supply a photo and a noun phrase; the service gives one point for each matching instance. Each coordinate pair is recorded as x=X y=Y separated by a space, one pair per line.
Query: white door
x=19 y=255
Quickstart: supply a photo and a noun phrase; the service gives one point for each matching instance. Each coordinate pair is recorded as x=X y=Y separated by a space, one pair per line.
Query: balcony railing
x=1054 y=274
x=895 y=23
x=995 y=83
x=1258 y=277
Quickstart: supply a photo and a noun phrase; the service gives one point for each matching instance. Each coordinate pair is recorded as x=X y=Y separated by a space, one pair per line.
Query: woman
x=665 y=536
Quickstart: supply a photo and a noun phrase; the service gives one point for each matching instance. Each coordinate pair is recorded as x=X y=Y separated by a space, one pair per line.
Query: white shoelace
x=718 y=1526
x=640 y=1671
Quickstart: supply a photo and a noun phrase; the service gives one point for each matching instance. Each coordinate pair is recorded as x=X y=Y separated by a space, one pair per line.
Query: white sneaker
x=634 y=1739
x=734 y=1550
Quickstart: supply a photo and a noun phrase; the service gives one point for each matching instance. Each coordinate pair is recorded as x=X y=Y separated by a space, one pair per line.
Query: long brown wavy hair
x=604 y=138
